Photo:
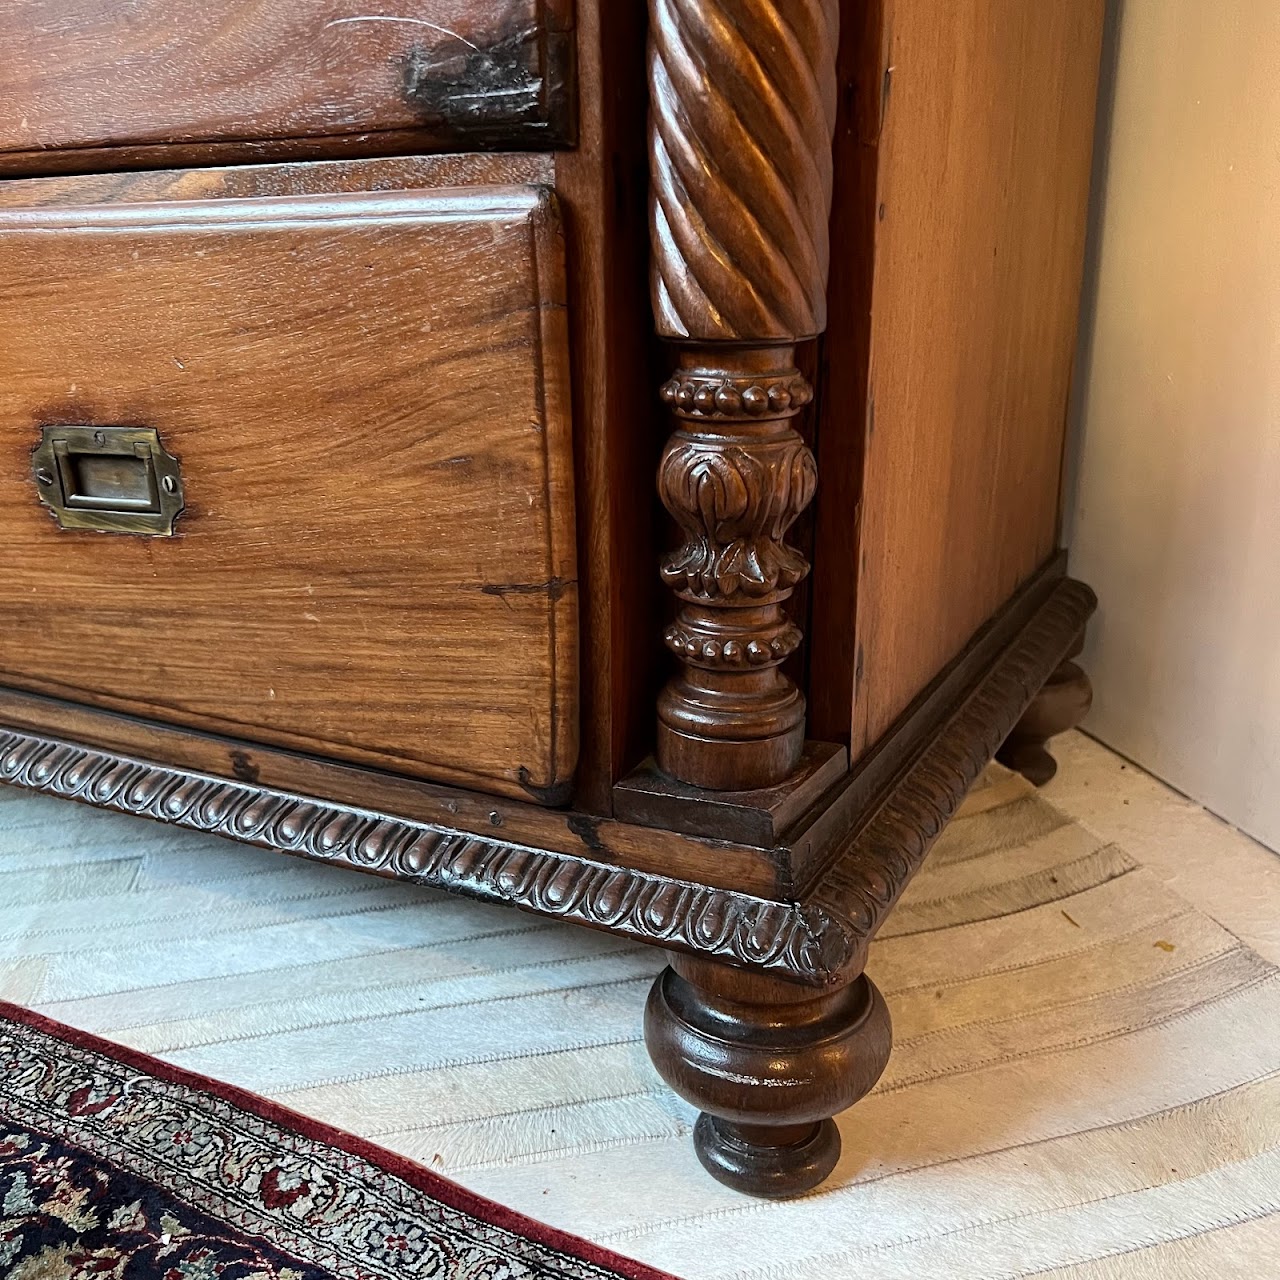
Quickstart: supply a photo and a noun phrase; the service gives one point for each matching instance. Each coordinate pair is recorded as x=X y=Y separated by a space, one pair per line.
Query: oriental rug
x=115 y=1165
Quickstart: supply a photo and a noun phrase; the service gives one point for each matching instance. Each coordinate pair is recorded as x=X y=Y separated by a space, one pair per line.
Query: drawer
x=364 y=397
x=457 y=73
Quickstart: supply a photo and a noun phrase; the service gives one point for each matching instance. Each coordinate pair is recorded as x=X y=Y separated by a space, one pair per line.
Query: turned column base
x=728 y=764
x=730 y=732
x=769 y=1063
x=1061 y=704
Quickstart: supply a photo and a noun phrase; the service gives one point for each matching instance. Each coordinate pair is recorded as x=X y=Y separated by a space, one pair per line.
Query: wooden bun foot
x=760 y=1161
x=1061 y=705
x=768 y=1063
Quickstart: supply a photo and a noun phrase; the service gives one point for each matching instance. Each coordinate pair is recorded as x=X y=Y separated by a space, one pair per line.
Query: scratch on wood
x=415 y=22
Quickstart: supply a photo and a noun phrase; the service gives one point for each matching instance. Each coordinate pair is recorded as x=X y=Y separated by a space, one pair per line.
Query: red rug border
x=417 y=1175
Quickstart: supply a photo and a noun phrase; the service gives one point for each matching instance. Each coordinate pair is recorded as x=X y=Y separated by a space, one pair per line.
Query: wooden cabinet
x=327 y=486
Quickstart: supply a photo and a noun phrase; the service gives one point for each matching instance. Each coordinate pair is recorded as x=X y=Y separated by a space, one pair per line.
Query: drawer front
x=460 y=73
x=363 y=398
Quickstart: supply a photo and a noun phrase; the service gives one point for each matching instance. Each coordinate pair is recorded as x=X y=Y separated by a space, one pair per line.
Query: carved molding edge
x=818 y=942
x=868 y=876
x=736 y=928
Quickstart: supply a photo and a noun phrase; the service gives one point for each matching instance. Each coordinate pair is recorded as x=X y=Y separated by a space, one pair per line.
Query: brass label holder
x=108 y=479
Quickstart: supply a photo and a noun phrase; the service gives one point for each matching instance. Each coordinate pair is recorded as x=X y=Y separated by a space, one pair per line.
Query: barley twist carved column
x=743 y=96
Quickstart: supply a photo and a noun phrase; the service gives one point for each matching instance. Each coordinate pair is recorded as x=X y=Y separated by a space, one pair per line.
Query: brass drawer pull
x=108 y=479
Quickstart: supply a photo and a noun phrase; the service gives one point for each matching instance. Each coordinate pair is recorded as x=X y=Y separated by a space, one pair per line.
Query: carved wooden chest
x=339 y=352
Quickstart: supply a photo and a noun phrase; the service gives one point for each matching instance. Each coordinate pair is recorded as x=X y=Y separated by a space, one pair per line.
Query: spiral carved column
x=743 y=99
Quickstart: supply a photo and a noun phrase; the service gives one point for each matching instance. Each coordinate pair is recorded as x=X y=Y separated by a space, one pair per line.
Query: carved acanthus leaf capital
x=735 y=500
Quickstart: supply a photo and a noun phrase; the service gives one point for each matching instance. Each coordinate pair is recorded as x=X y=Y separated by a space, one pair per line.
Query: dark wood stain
x=247 y=72
x=587 y=829
x=243 y=767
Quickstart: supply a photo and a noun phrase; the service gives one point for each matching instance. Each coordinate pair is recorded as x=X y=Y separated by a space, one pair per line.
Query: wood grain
x=982 y=135
x=841 y=414
x=602 y=185
x=249 y=181
x=368 y=397
x=742 y=108
x=81 y=74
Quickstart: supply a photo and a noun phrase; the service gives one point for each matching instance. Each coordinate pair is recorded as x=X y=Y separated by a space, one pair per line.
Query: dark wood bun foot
x=768 y=1063
x=754 y=1158
x=1061 y=705
x=1031 y=759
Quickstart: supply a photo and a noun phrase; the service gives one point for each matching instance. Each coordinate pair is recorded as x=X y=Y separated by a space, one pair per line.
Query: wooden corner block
x=650 y=798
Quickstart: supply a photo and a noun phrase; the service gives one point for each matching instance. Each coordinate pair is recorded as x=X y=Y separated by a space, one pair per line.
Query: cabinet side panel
x=840 y=415
x=985 y=146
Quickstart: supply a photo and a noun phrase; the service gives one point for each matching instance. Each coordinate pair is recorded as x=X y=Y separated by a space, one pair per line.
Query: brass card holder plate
x=108 y=479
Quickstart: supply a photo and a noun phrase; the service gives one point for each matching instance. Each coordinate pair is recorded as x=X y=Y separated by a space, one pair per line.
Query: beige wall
x=1173 y=514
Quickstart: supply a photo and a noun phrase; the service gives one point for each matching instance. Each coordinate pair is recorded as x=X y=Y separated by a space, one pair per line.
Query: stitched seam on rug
x=1080 y=1043
x=999 y=846
x=1030 y=877
x=450 y=1063
x=138 y=863
x=753 y=1208
x=205 y=912
x=583 y=1148
x=291 y=1028
x=400 y=1013
x=1153 y=1241
x=872 y=1250
x=1261 y=1216
x=1017 y=911
x=366 y=987
x=91 y=868
x=280 y=864
x=1050 y=873
x=655 y=1091
x=1129 y=987
x=539 y=927
x=1049 y=957
x=999 y=849
x=140 y=859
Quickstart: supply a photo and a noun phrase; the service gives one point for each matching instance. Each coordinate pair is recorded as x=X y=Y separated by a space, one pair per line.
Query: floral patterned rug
x=115 y=1166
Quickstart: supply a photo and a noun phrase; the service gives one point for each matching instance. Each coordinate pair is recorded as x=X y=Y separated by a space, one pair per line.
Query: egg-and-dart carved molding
x=737 y=928
x=817 y=941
